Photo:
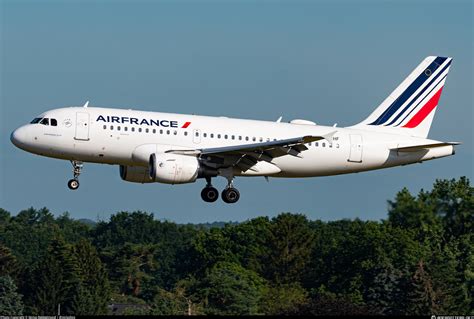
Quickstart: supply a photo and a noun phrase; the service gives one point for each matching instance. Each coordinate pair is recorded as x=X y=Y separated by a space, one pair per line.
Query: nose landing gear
x=73 y=184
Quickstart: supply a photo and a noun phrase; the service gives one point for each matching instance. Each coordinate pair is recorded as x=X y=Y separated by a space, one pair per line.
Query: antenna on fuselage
x=86 y=105
x=279 y=119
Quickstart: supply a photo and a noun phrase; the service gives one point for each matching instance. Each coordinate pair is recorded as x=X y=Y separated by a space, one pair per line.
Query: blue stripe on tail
x=415 y=85
x=419 y=94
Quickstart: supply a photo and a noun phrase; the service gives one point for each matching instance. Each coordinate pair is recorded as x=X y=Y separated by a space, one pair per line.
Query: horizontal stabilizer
x=415 y=148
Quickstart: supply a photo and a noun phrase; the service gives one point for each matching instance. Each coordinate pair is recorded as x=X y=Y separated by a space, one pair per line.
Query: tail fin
x=410 y=108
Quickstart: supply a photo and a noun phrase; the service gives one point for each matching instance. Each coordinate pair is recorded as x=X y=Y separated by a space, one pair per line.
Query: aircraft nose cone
x=18 y=137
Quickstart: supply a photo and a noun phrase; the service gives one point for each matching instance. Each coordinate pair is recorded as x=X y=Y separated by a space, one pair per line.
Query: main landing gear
x=229 y=195
x=209 y=194
x=73 y=184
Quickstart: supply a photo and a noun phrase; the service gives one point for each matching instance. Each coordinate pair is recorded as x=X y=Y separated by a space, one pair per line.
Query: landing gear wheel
x=230 y=195
x=73 y=184
x=209 y=194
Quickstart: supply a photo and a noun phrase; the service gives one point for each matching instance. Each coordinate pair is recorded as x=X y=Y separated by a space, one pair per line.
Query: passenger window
x=154 y=131
x=111 y=127
x=45 y=121
x=161 y=131
x=140 y=129
x=246 y=138
x=105 y=127
x=133 y=129
x=316 y=144
x=233 y=137
x=35 y=120
x=54 y=122
x=197 y=134
x=309 y=143
x=225 y=136
x=324 y=144
x=118 y=128
x=185 y=133
x=240 y=137
x=330 y=145
x=125 y=128
x=212 y=135
x=175 y=132
x=261 y=139
x=218 y=136
x=337 y=145
x=254 y=139
x=147 y=130
x=168 y=132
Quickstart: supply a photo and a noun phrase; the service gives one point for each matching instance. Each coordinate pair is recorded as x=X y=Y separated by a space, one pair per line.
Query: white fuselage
x=117 y=136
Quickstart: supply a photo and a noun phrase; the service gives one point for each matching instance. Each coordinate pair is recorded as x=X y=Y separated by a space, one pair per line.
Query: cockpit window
x=36 y=120
x=54 y=122
x=45 y=121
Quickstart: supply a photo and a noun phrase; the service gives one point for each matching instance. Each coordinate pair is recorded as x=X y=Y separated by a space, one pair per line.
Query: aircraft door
x=355 y=154
x=82 y=126
x=197 y=136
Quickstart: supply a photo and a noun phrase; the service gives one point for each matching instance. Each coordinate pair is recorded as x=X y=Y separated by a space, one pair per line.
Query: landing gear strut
x=209 y=194
x=230 y=194
x=73 y=184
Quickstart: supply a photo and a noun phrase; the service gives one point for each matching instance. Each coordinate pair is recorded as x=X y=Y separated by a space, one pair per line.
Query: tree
x=289 y=247
x=10 y=300
x=229 y=289
x=93 y=292
x=54 y=281
x=8 y=263
x=424 y=296
x=286 y=299
x=131 y=265
x=182 y=300
x=408 y=211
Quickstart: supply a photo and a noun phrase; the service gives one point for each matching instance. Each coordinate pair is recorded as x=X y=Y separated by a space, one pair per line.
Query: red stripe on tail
x=424 y=111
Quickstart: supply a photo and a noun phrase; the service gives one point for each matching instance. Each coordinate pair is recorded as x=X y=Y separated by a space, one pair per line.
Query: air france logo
x=143 y=121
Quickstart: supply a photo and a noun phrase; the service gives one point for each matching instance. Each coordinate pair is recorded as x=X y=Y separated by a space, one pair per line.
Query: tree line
x=418 y=261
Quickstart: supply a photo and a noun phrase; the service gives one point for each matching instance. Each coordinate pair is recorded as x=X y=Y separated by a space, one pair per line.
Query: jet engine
x=173 y=168
x=135 y=174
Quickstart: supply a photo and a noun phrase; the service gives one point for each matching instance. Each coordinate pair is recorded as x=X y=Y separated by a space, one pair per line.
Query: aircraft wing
x=247 y=155
x=415 y=148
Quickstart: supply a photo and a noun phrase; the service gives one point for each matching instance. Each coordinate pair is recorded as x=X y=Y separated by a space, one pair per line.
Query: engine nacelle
x=173 y=168
x=135 y=174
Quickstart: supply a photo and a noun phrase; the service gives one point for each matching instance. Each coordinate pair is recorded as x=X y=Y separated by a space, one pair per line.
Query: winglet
x=86 y=105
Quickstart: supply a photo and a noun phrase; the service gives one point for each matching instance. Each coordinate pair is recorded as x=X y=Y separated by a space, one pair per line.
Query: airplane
x=179 y=148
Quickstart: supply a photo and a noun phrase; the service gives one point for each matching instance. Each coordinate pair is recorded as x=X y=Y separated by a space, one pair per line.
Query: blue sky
x=326 y=61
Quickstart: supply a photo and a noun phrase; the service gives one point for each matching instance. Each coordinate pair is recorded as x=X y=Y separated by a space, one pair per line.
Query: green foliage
x=93 y=292
x=419 y=261
x=10 y=299
x=285 y=299
x=8 y=263
x=230 y=289
x=290 y=243
x=53 y=281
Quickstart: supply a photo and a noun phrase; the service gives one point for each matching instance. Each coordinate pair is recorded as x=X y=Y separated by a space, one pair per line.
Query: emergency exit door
x=82 y=126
